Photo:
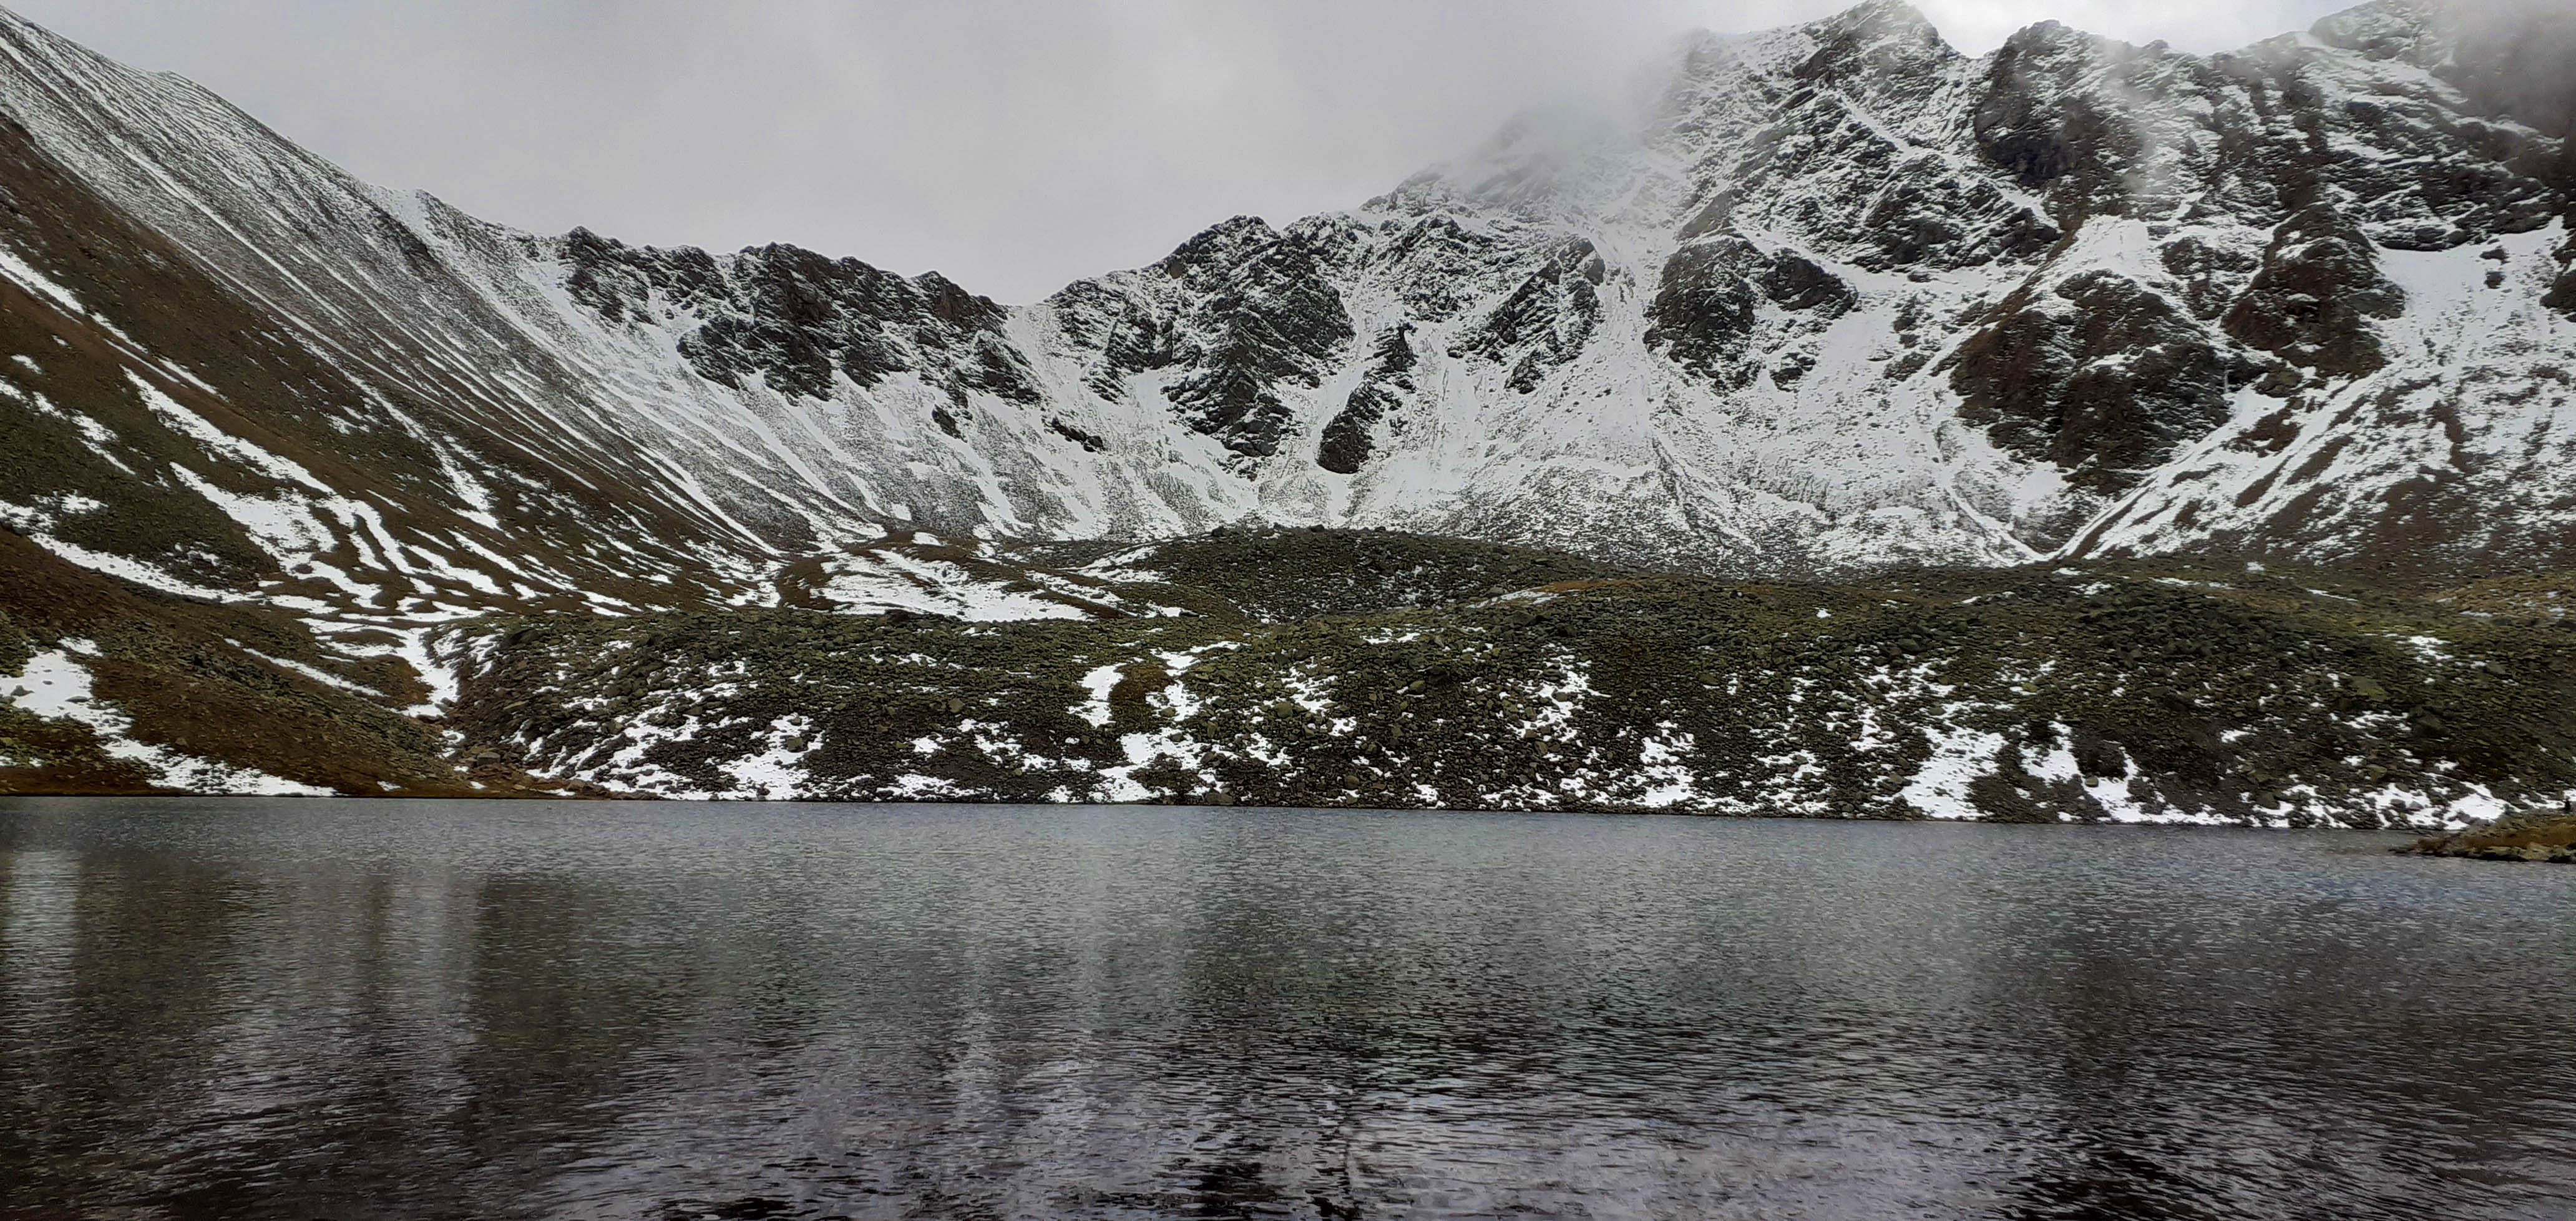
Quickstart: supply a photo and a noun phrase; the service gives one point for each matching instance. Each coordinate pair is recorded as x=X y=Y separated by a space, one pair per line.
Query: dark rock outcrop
x=2312 y=300
x=1545 y=321
x=792 y=318
x=1270 y=317
x=2035 y=123
x=2101 y=376
x=1704 y=311
x=1350 y=434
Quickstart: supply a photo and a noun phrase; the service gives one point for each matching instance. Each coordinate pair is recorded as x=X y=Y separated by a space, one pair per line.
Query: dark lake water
x=309 y=1009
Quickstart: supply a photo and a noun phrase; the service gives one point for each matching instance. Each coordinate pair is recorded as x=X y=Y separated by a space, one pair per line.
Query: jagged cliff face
x=1832 y=297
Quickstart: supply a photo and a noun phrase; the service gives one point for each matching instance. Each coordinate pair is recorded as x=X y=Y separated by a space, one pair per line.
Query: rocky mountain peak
x=1879 y=37
x=943 y=299
x=1221 y=244
x=2411 y=30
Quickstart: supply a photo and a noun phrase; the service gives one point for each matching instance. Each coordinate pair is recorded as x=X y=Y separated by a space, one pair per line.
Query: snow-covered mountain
x=1819 y=301
x=1833 y=296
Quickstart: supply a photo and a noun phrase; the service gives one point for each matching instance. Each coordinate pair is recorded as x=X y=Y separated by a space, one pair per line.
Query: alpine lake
x=321 y=1008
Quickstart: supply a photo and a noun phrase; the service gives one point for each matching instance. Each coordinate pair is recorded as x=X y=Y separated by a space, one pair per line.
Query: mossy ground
x=1363 y=668
x=1316 y=677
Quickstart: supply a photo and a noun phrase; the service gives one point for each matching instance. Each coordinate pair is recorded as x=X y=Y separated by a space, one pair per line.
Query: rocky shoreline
x=2535 y=836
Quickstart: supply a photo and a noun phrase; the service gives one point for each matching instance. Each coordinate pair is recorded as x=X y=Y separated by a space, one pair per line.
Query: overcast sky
x=1013 y=146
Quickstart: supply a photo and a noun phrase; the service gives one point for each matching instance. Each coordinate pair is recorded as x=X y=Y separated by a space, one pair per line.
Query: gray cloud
x=1013 y=146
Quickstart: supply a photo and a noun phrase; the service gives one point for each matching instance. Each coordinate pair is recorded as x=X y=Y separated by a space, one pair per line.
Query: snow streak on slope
x=56 y=683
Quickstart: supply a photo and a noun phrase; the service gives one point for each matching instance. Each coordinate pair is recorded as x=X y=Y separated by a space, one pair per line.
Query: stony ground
x=1363 y=668
x=1367 y=669
x=2521 y=837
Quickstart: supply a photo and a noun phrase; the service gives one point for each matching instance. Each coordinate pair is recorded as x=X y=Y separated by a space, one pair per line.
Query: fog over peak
x=1011 y=146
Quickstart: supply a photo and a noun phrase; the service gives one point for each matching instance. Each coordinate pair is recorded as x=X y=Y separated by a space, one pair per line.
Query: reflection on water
x=326 y=1009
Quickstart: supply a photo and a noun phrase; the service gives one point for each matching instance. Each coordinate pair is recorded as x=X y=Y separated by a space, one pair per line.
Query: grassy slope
x=191 y=678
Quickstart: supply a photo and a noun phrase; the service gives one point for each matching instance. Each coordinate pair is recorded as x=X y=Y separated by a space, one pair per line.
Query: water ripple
x=460 y=1010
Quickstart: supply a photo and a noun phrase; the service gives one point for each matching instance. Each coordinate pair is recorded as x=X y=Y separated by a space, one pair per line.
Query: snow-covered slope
x=1828 y=298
